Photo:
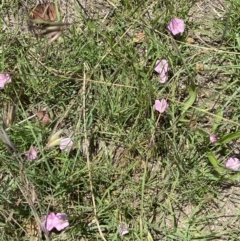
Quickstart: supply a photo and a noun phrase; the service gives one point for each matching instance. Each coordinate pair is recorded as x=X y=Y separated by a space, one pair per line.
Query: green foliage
x=157 y=172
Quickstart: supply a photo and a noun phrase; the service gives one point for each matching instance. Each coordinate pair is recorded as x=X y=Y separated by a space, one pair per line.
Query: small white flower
x=123 y=228
x=66 y=144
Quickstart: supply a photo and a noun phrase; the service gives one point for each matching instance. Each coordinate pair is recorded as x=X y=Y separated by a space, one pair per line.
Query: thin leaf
x=213 y=160
x=149 y=237
x=229 y=137
x=189 y=102
x=192 y=97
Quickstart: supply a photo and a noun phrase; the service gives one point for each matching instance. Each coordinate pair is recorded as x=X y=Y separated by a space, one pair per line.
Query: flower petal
x=61 y=221
x=213 y=138
x=31 y=154
x=233 y=163
x=176 y=26
x=66 y=144
x=58 y=221
x=50 y=221
x=161 y=105
x=4 y=79
x=123 y=228
x=162 y=68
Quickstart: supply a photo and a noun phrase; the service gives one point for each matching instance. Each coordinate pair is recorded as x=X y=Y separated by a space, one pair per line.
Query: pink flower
x=213 y=138
x=161 y=105
x=176 y=26
x=123 y=228
x=66 y=144
x=233 y=163
x=4 y=79
x=58 y=221
x=31 y=154
x=162 y=68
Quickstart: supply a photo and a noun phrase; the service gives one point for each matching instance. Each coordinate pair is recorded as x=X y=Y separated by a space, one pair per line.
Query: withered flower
x=45 y=12
x=44 y=20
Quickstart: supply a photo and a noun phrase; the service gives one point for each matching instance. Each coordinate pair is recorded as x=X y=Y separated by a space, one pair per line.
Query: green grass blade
x=213 y=160
x=192 y=97
x=229 y=137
